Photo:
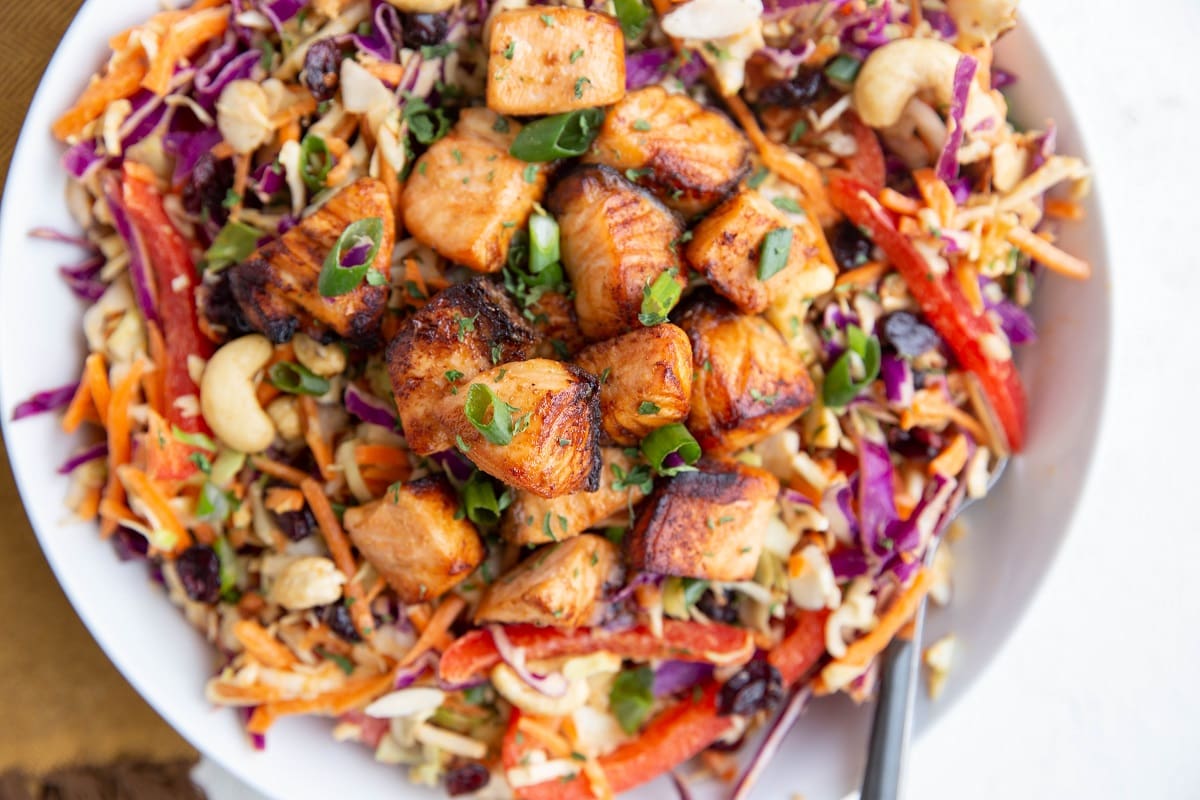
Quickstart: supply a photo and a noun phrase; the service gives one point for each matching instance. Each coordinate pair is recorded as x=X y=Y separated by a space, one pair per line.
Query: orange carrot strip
x=1047 y=254
x=89 y=506
x=304 y=106
x=241 y=175
x=952 y=459
x=280 y=471
x=380 y=455
x=437 y=630
x=121 y=81
x=281 y=499
x=901 y=204
x=936 y=194
x=79 y=407
x=386 y=71
x=266 y=392
x=555 y=745
x=412 y=272
x=339 y=549
x=289 y=133
x=96 y=376
x=156 y=504
x=120 y=442
x=321 y=450
x=867 y=274
x=264 y=647
x=154 y=378
x=181 y=40
x=968 y=281
x=1064 y=209
x=355 y=693
x=419 y=615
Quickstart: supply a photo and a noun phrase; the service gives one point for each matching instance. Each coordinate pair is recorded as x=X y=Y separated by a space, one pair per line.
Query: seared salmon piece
x=645 y=380
x=554 y=424
x=464 y=330
x=560 y=585
x=466 y=196
x=276 y=287
x=547 y=60
x=534 y=520
x=726 y=247
x=708 y=524
x=688 y=155
x=415 y=539
x=747 y=383
x=615 y=241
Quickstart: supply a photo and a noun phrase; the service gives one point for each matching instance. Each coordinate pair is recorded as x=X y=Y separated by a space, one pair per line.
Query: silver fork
x=898 y=667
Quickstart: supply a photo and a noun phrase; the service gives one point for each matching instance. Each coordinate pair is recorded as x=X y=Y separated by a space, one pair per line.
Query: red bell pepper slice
x=943 y=302
x=475 y=654
x=679 y=732
x=867 y=164
x=176 y=279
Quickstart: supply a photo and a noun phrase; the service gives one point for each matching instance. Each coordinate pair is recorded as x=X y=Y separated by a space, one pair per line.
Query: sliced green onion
x=229 y=568
x=787 y=204
x=659 y=298
x=479 y=500
x=693 y=590
x=199 y=440
x=226 y=466
x=490 y=415
x=214 y=504
x=773 y=255
x=840 y=387
x=632 y=697
x=843 y=69
x=647 y=407
x=296 y=379
x=315 y=162
x=632 y=14
x=561 y=136
x=667 y=440
x=233 y=244
x=543 y=242
x=337 y=278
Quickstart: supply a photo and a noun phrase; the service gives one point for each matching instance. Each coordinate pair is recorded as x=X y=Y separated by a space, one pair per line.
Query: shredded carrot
x=241 y=175
x=182 y=39
x=860 y=652
x=80 y=407
x=419 y=615
x=1064 y=209
x=555 y=745
x=952 y=459
x=380 y=455
x=282 y=352
x=321 y=450
x=339 y=549
x=936 y=194
x=914 y=16
x=355 y=693
x=1048 y=255
x=264 y=647
x=437 y=633
x=278 y=471
x=120 y=442
x=376 y=589
x=250 y=603
x=265 y=392
x=968 y=281
x=89 y=506
x=121 y=81
x=866 y=275
x=929 y=408
x=281 y=499
x=305 y=104
x=204 y=533
x=222 y=150
x=154 y=378
x=140 y=486
x=412 y=273
x=901 y=204
x=787 y=165
x=723 y=765
x=340 y=170
x=386 y=71
x=288 y=133
x=96 y=376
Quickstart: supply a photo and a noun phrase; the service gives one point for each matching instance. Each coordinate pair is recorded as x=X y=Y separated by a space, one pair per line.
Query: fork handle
x=892 y=725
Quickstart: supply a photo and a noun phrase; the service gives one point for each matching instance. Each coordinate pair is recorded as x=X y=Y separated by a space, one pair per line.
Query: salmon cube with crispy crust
x=688 y=155
x=466 y=196
x=707 y=524
x=726 y=247
x=552 y=59
x=414 y=538
x=276 y=287
x=747 y=382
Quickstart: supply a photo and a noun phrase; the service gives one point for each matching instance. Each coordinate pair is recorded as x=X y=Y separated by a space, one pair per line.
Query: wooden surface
x=61 y=700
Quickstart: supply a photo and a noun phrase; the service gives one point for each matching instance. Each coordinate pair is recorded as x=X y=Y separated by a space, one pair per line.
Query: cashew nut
x=284 y=411
x=307 y=582
x=982 y=21
x=896 y=72
x=325 y=360
x=227 y=396
x=516 y=691
x=424 y=6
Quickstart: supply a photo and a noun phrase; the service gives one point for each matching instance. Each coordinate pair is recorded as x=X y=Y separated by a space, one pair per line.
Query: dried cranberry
x=800 y=90
x=199 y=571
x=905 y=332
x=717 y=610
x=915 y=443
x=423 y=30
x=758 y=686
x=322 y=65
x=296 y=525
x=470 y=777
x=851 y=247
x=338 y=618
x=129 y=544
x=221 y=311
x=205 y=189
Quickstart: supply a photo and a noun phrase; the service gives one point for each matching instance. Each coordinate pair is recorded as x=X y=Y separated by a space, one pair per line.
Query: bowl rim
x=76 y=37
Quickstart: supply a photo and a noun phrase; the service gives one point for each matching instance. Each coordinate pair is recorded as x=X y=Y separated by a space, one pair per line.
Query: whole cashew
x=896 y=72
x=982 y=21
x=227 y=396
x=325 y=360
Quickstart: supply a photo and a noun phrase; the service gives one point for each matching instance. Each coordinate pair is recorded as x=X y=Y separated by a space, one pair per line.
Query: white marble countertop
x=1093 y=696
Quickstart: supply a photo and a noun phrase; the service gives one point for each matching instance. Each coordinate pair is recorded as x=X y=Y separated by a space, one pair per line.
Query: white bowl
x=1014 y=534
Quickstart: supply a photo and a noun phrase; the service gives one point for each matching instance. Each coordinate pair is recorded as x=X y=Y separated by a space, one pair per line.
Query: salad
x=551 y=394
